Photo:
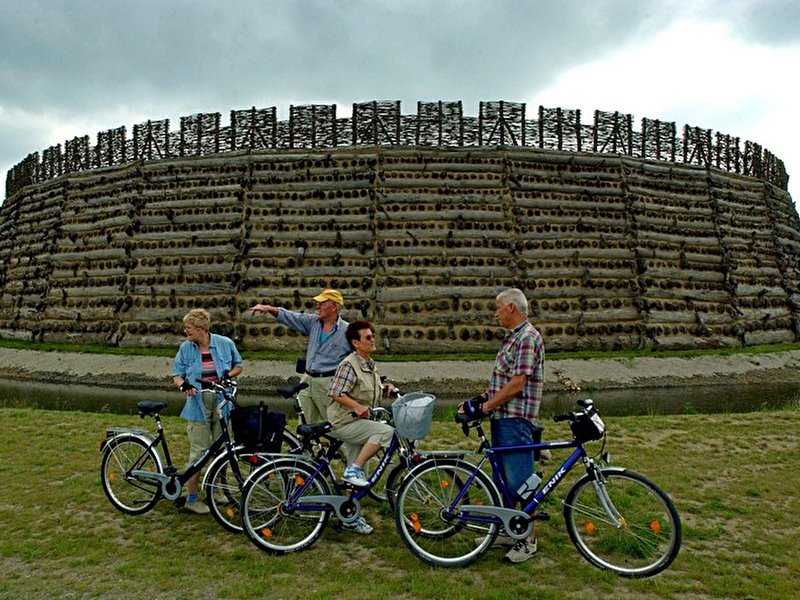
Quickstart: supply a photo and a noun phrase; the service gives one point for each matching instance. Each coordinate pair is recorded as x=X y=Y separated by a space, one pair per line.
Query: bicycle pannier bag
x=257 y=428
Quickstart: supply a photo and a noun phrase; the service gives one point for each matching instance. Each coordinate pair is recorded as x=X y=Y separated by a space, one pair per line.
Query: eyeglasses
x=368 y=338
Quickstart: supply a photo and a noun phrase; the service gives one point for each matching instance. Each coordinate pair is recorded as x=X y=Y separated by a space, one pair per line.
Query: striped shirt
x=522 y=353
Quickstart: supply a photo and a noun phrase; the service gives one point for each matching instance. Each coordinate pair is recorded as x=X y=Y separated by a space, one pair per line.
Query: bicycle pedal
x=541 y=516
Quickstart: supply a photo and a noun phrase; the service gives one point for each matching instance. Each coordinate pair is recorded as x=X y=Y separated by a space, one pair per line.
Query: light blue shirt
x=320 y=356
x=188 y=364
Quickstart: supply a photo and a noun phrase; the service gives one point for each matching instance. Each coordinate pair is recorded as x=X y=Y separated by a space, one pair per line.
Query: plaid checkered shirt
x=522 y=353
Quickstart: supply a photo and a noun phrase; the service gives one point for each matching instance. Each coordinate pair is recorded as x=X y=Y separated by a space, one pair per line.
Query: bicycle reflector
x=590 y=527
x=298 y=480
x=655 y=526
x=414 y=518
x=266 y=532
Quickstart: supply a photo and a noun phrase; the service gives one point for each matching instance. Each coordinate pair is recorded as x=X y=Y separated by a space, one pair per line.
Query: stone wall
x=613 y=250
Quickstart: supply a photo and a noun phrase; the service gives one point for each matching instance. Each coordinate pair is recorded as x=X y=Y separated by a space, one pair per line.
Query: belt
x=321 y=374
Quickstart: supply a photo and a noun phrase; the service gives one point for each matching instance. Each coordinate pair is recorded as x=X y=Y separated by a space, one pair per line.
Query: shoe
x=221 y=499
x=355 y=476
x=360 y=526
x=198 y=507
x=522 y=551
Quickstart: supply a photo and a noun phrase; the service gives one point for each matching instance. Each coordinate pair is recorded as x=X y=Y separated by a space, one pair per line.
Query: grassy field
x=734 y=479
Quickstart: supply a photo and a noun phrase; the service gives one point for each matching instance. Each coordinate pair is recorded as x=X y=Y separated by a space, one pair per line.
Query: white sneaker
x=360 y=526
x=522 y=551
x=355 y=476
x=197 y=507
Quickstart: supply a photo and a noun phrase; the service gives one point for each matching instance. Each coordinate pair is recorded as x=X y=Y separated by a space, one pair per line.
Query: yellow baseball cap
x=330 y=295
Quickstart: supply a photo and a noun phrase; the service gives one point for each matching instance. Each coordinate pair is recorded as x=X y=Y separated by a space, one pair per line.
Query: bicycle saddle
x=313 y=429
x=150 y=407
x=287 y=391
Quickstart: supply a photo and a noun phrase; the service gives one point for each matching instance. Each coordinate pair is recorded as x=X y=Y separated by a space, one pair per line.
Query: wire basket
x=413 y=413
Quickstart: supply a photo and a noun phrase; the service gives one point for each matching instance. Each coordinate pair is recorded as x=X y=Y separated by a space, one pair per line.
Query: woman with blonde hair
x=202 y=357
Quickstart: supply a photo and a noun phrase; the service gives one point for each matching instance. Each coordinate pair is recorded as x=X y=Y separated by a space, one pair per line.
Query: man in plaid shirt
x=513 y=397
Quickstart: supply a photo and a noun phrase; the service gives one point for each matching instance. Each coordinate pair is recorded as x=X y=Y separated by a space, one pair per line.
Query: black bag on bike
x=257 y=428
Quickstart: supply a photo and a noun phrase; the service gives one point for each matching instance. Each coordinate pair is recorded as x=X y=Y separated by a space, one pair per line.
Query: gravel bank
x=440 y=377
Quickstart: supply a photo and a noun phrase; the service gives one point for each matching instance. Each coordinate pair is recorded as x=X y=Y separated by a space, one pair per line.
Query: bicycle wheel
x=642 y=541
x=122 y=455
x=268 y=522
x=291 y=444
x=378 y=491
x=223 y=487
x=393 y=481
x=439 y=539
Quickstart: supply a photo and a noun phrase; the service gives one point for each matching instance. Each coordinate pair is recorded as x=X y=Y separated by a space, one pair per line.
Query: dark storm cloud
x=88 y=61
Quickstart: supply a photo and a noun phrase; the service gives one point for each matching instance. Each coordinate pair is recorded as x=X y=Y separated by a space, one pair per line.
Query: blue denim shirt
x=324 y=356
x=188 y=364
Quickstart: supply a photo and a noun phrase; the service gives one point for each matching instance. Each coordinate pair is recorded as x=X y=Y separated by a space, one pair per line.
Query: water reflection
x=697 y=399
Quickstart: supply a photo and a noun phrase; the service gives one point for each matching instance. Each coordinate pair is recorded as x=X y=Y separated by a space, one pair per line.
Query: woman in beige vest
x=355 y=388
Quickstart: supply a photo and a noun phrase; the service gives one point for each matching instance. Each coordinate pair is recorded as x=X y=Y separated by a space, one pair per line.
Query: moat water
x=640 y=401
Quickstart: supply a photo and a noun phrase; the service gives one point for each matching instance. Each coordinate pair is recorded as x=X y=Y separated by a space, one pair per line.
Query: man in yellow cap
x=327 y=347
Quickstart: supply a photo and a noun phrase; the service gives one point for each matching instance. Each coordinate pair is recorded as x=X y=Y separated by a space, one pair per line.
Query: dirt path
x=450 y=377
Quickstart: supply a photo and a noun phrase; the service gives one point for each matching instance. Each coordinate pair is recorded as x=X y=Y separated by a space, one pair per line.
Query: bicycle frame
x=346 y=506
x=518 y=523
x=169 y=479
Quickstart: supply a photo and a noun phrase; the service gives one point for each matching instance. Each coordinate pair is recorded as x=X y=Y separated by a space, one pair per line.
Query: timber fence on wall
x=381 y=123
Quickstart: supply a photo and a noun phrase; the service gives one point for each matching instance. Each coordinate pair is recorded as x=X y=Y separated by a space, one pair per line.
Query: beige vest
x=367 y=391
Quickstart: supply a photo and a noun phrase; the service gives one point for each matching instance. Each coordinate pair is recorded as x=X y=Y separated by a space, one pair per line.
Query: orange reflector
x=299 y=480
x=111 y=477
x=266 y=532
x=445 y=484
x=479 y=502
x=655 y=526
x=590 y=527
x=230 y=512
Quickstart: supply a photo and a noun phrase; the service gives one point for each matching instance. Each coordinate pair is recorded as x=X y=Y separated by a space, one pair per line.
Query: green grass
x=291 y=356
x=733 y=477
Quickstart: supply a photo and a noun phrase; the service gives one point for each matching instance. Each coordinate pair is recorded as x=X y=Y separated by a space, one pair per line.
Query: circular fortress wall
x=612 y=250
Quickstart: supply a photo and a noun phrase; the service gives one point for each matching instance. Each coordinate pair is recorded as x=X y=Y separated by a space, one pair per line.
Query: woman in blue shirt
x=209 y=357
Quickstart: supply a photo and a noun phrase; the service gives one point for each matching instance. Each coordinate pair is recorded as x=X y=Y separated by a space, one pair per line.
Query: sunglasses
x=368 y=338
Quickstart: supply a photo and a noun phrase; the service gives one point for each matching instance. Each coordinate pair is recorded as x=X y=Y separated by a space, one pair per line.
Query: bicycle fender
x=139 y=434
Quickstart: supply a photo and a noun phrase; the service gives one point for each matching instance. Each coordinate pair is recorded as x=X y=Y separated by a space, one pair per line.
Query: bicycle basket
x=588 y=428
x=412 y=414
x=257 y=428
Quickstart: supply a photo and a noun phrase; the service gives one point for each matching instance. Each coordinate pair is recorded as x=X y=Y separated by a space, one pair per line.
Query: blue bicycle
x=449 y=512
x=287 y=503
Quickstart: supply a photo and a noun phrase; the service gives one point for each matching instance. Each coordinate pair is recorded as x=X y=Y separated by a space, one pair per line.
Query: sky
x=75 y=67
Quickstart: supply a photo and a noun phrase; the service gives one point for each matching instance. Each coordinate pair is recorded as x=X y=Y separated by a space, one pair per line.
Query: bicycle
x=136 y=474
x=286 y=504
x=617 y=519
x=223 y=487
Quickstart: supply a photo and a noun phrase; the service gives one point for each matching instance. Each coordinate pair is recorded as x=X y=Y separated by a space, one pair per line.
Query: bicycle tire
x=649 y=537
x=265 y=519
x=223 y=488
x=419 y=516
x=121 y=455
x=291 y=444
x=378 y=491
x=393 y=481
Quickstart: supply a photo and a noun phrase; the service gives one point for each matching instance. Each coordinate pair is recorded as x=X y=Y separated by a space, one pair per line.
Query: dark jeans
x=516 y=466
